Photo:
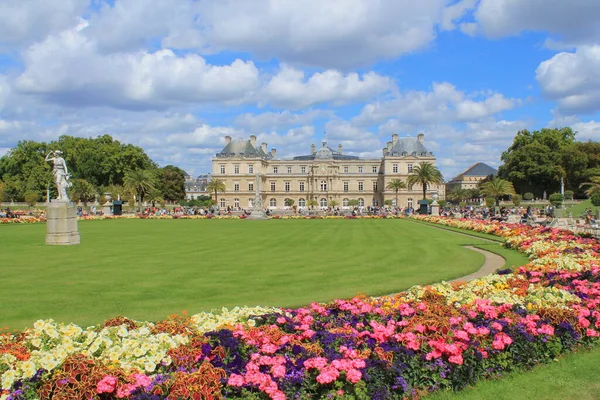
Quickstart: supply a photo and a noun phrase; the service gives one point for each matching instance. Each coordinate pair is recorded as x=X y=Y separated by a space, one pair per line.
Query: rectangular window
x=272 y=186
x=409 y=168
x=303 y=169
x=275 y=170
x=395 y=168
x=289 y=170
x=236 y=187
x=360 y=170
x=287 y=186
x=374 y=186
x=374 y=170
x=346 y=184
x=323 y=186
x=302 y=186
x=250 y=169
x=236 y=169
x=360 y=186
x=345 y=169
x=222 y=169
x=251 y=187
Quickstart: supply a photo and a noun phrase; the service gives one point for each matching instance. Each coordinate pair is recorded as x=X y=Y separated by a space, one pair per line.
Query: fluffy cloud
x=289 y=88
x=277 y=120
x=575 y=21
x=572 y=79
x=444 y=103
x=68 y=68
x=25 y=21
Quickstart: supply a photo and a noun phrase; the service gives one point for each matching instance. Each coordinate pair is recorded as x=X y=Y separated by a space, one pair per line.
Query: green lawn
x=573 y=377
x=148 y=269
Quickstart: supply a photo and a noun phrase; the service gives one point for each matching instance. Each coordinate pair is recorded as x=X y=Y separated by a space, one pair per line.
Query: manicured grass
x=147 y=269
x=578 y=210
x=574 y=376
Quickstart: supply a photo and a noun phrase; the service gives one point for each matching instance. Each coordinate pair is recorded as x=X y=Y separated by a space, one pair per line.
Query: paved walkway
x=491 y=264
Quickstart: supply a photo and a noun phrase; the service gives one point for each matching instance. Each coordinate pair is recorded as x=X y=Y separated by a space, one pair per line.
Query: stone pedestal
x=61 y=223
x=107 y=209
x=257 y=214
x=435 y=208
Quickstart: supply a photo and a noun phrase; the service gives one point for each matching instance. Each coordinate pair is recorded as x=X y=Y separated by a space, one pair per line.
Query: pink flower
x=546 y=330
x=592 y=333
x=458 y=359
x=497 y=326
x=353 y=375
x=235 y=380
x=328 y=375
x=106 y=384
x=278 y=371
x=315 y=362
x=462 y=335
x=281 y=320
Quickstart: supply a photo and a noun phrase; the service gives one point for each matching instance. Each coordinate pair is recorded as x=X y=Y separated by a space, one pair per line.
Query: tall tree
x=593 y=186
x=215 y=186
x=425 y=174
x=496 y=188
x=458 y=194
x=82 y=191
x=396 y=185
x=141 y=182
x=172 y=183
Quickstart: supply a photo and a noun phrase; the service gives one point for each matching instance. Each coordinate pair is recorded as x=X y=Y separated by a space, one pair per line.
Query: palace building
x=325 y=177
x=472 y=177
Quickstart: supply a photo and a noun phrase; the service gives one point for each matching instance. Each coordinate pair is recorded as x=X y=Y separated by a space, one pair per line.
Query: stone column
x=61 y=224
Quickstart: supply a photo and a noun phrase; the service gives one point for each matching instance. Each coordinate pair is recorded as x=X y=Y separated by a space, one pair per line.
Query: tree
x=594 y=186
x=155 y=196
x=172 y=183
x=473 y=193
x=596 y=199
x=458 y=195
x=31 y=198
x=425 y=174
x=141 y=182
x=496 y=188
x=556 y=199
x=396 y=185
x=215 y=186
x=353 y=203
x=388 y=202
x=82 y=191
x=516 y=199
x=289 y=202
x=334 y=203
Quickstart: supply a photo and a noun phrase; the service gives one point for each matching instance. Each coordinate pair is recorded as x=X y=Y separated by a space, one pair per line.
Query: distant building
x=196 y=187
x=471 y=177
x=325 y=175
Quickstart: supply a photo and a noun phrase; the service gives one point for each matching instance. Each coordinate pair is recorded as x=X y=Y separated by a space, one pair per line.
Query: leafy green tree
x=528 y=196
x=516 y=199
x=141 y=182
x=172 y=183
x=458 y=195
x=333 y=203
x=156 y=196
x=32 y=198
x=556 y=199
x=442 y=203
x=388 y=202
x=425 y=174
x=215 y=186
x=593 y=186
x=82 y=190
x=289 y=202
x=534 y=161
x=396 y=185
x=353 y=203
x=569 y=194
x=596 y=199
x=496 y=188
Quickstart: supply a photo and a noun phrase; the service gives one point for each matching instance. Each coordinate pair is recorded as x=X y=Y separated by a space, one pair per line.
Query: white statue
x=61 y=174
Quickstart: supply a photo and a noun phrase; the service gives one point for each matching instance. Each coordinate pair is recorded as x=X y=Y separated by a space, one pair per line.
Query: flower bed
x=429 y=337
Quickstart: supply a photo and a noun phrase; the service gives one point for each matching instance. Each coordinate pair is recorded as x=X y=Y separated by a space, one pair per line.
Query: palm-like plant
x=396 y=185
x=215 y=186
x=458 y=194
x=141 y=181
x=82 y=191
x=594 y=186
x=425 y=174
x=496 y=188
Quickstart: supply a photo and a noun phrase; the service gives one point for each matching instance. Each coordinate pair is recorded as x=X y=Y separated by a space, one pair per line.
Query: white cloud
x=289 y=88
x=25 y=21
x=574 y=21
x=572 y=79
x=68 y=69
x=454 y=12
x=444 y=103
x=276 y=120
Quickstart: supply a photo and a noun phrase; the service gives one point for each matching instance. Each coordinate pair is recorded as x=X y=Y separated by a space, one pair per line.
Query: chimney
x=273 y=152
x=340 y=148
x=227 y=140
x=263 y=147
x=420 y=137
x=385 y=150
x=389 y=146
x=394 y=139
x=313 y=149
x=253 y=140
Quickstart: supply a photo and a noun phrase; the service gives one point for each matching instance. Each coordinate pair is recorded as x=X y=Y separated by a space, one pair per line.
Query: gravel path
x=491 y=264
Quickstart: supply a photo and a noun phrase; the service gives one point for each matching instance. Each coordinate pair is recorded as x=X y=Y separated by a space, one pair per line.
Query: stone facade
x=471 y=177
x=61 y=224
x=325 y=175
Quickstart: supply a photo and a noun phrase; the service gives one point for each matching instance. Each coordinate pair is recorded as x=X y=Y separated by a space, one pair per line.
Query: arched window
x=236 y=203
x=323 y=202
x=250 y=203
x=273 y=203
x=410 y=203
x=302 y=203
x=345 y=203
x=323 y=186
x=361 y=202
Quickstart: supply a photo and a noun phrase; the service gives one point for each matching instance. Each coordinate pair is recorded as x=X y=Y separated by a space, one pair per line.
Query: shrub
x=596 y=199
x=31 y=198
x=569 y=194
x=388 y=202
x=516 y=199
x=490 y=201
x=442 y=203
x=556 y=199
x=528 y=196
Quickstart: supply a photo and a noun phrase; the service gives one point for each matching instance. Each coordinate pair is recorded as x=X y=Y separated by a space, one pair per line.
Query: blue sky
x=177 y=76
